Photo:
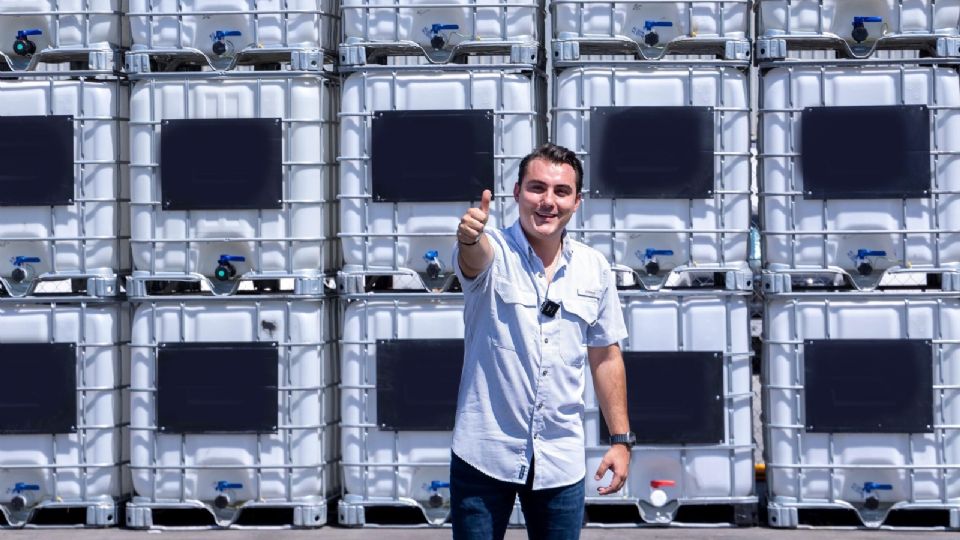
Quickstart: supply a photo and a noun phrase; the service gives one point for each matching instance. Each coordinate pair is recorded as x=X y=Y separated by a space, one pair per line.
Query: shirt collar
x=566 y=246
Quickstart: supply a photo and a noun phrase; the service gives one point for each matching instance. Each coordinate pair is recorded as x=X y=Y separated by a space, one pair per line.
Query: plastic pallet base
x=197 y=515
x=59 y=515
x=357 y=514
x=811 y=517
x=165 y=60
x=145 y=286
x=738 y=514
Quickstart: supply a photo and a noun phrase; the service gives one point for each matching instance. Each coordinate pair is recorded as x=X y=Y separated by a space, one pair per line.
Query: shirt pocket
x=585 y=305
x=513 y=301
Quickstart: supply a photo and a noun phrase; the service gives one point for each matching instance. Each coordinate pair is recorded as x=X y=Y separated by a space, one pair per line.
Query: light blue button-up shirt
x=521 y=391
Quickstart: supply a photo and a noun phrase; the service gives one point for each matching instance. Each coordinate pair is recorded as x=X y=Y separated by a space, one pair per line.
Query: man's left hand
x=617 y=459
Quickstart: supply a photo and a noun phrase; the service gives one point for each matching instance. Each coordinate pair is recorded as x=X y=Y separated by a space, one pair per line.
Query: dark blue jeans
x=480 y=506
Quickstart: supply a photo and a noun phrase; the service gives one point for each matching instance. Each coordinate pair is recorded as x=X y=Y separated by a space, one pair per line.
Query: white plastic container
x=837 y=17
x=380 y=237
x=63 y=25
x=390 y=467
x=81 y=466
x=447 y=23
x=710 y=229
x=78 y=231
x=804 y=230
x=289 y=238
x=291 y=463
x=811 y=466
x=634 y=20
x=666 y=475
x=169 y=25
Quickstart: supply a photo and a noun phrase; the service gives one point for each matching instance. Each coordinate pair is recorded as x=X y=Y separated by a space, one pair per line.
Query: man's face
x=547 y=198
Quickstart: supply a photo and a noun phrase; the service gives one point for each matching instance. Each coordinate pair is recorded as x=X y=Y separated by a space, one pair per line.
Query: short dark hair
x=554 y=153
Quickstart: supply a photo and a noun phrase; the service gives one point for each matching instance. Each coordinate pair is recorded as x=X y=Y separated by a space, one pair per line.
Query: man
x=536 y=306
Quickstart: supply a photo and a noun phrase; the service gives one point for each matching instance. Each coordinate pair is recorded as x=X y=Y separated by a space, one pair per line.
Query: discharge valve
x=20 y=272
x=860 y=32
x=650 y=36
x=225 y=269
x=863 y=262
x=23 y=46
x=434 y=266
x=437 y=41
x=651 y=261
x=220 y=43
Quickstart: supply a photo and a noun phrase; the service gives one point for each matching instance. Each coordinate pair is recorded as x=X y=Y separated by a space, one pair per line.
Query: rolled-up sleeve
x=610 y=327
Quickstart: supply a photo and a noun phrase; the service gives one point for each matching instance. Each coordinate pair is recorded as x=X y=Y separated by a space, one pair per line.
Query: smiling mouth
x=545 y=216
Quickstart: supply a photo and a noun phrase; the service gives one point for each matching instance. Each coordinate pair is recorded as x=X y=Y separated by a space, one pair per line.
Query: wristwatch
x=627 y=439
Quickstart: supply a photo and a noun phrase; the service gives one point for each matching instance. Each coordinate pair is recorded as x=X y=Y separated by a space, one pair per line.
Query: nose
x=548 y=200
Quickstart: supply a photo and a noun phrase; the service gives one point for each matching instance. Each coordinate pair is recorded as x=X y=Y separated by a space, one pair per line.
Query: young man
x=537 y=305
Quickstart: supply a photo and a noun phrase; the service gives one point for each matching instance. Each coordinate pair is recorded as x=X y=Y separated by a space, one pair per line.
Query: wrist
x=462 y=243
x=627 y=439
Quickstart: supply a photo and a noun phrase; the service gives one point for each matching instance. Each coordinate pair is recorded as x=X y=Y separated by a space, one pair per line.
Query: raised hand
x=473 y=222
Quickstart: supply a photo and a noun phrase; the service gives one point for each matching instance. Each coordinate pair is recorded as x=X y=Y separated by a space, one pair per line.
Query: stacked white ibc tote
x=860 y=155
x=421 y=138
x=233 y=380
x=62 y=246
x=664 y=135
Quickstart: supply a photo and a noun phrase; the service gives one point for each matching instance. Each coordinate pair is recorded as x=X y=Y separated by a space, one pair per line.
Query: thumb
x=602 y=470
x=485 y=201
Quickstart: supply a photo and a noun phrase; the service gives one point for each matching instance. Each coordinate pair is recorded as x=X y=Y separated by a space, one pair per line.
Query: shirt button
x=544 y=372
x=546 y=340
x=540 y=405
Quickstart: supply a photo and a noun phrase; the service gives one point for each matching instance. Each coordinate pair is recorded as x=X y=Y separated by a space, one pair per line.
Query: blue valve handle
x=437 y=484
x=20 y=260
x=650 y=25
x=874 y=486
x=431 y=255
x=220 y=35
x=21 y=487
x=22 y=34
x=436 y=28
x=858 y=21
x=231 y=258
x=651 y=253
x=223 y=485
x=864 y=253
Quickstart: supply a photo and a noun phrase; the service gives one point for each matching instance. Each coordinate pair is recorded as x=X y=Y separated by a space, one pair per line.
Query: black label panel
x=417 y=383
x=37 y=157
x=38 y=389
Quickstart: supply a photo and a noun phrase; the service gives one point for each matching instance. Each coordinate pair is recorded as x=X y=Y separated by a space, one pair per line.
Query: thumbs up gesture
x=473 y=222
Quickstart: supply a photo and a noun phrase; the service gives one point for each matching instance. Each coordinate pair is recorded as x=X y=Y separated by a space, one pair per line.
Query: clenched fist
x=473 y=222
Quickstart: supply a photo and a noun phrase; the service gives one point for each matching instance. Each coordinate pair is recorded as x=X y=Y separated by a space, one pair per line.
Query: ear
x=579 y=200
x=516 y=192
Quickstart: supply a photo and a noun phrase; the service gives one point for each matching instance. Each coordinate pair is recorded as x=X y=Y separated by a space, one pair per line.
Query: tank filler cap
x=860 y=33
x=22 y=45
x=225 y=270
x=650 y=36
x=437 y=41
x=220 y=43
x=19 y=274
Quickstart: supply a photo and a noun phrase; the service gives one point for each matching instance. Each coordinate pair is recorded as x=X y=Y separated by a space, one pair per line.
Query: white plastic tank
x=34 y=26
x=650 y=23
x=235 y=25
x=667 y=181
x=438 y=26
x=65 y=142
x=860 y=402
x=688 y=387
x=839 y=18
x=233 y=404
x=60 y=433
x=257 y=198
x=403 y=460
x=470 y=131
x=850 y=198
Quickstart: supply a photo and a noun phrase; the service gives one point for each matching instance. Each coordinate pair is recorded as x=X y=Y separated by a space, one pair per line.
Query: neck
x=546 y=248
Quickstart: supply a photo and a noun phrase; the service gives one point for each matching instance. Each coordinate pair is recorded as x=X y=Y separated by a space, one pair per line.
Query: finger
x=485 y=201
x=604 y=466
x=478 y=215
x=471 y=223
